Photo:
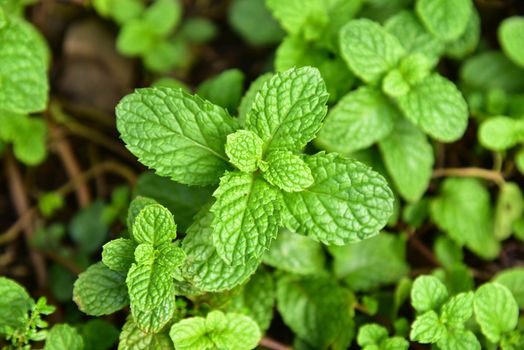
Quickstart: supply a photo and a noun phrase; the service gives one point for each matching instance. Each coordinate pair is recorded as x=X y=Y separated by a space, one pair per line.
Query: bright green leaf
x=428 y=293
x=244 y=149
x=445 y=19
x=287 y=171
x=63 y=336
x=511 y=37
x=118 y=254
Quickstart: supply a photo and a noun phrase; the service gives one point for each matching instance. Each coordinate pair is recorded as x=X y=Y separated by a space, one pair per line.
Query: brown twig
x=21 y=204
x=107 y=166
x=67 y=263
x=486 y=174
x=421 y=248
x=273 y=344
x=64 y=150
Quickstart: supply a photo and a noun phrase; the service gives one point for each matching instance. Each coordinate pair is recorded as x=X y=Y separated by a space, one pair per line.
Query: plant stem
x=486 y=174
x=273 y=344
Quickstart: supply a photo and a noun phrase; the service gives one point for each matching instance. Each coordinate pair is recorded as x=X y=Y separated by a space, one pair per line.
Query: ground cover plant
x=261 y=174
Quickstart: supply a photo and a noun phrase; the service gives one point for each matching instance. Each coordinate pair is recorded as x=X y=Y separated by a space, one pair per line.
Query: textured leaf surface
x=436 y=106
x=459 y=340
x=23 y=76
x=148 y=285
x=299 y=16
x=246 y=217
x=348 y=201
x=409 y=159
x=216 y=331
x=511 y=37
x=359 y=119
x=204 y=268
x=427 y=328
x=15 y=303
x=314 y=307
x=496 y=310
x=153 y=320
x=249 y=97
x=457 y=310
x=513 y=279
x=63 y=336
x=133 y=338
x=100 y=291
x=372 y=263
x=428 y=293
x=287 y=171
x=445 y=19
x=463 y=210
x=289 y=108
x=295 y=253
x=368 y=49
x=154 y=225
x=118 y=254
x=179 y=135
x=371 y=334
x=244 y=149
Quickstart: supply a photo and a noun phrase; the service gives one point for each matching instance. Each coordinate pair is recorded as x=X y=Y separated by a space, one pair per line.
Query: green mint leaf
x=394 y=84
x=148 y=284
x=427 y=328
x=27 y=134
x=287 y=171
x=496 y=310
x=463 y=210
x=15 y=303
x=163 y=15
x=358 y=120
x=118 y=254
x=133 y=338
x=253 y=21
x=336 y=209
x=154 y=225
x=501 y=133
x=204 y=268
x=467 y=43
x=448 y=252
x=249 y=97
x=153 y=320
x=300 y=17
x=371 y=334
x=195 y=131
x=428 y=293
x=408 y=157
x=314 y=307
x=368 y=49
x=246 y=217
x=63 y=336
x=295 y=253
x=437 y=107
x=372 y=263
x=100 y=291
x=135 y=207
x=216 y=331
x=513 y=279
x=244 y=149
x=99 y=334
x=445 y=19
x=509 y=208
x=406 y=27
x=511 y=35
x=136 y=37
x=256 y=299
x=457 y=310
x=23 y=72
x=198 y=30
x=459 y=340
x=289 y=108
x=224 y=90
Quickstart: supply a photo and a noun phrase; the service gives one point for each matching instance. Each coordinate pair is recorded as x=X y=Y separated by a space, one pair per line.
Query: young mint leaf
x=406 y=27
x=314 y=307
x=459 y=339
x=513 y=279
x=511 y=35
x=244 y=149
x=153 y=320
x=185 y=136
x=368 y=49
x=409 y=159
x=428 y=293
x=496 y=310
x=445 y=19
x=501 y=133
x=224 y=90
x=15 y=303
x=395 y=84
x=509 y=208
x=133 y=338
x=437 y=107
x=338 y=202
x=246 y=217
x=204 y=268
x=427 y=328
x=63 y=336
x=136 y=37
x=300 y=17
x=118 y=254
x=377 y=261
x=163 y=15
x=216 y=331
x=468 y=41
x=100 y=291
x=148 y=285
x=287 y=171
x=359 y=119
x=27 y=134
x=463 y=211
x=23 y=72
x=249 y=97
x=371 y=334
x=289 y=108
x=154 y=225
x=253 y=21
x=457 y=310
x=295 y=253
